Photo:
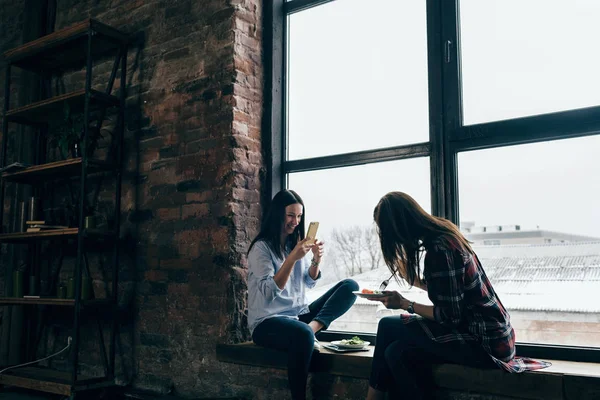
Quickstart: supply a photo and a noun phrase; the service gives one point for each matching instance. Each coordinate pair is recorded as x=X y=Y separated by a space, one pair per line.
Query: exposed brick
x=189 y=185
x=195 y=210
x=168 y=213
x=157 y=288
x=177 y=263
x=168 y=152
x=178 y=276
x=156 y=276
x=244 y=195
x=198 y=197
x=152 y=339
x=176 y=54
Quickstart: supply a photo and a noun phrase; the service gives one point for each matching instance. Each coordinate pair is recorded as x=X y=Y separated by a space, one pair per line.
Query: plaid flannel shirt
x=466 y=307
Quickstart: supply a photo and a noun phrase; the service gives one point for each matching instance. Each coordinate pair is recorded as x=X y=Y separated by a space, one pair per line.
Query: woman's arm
x=446 y=285
x=283 y=275
x=261 y=270
x=394 y=300
x=313 y=270
x=421 y=309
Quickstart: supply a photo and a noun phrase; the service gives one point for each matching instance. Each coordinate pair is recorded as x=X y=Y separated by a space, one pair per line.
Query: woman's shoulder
x=263 y=248
x=260 y=246
x=445 y=244
x=440 y=243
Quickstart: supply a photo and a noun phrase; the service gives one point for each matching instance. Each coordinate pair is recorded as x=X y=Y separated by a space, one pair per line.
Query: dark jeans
x=404 y=355
x=295 y=336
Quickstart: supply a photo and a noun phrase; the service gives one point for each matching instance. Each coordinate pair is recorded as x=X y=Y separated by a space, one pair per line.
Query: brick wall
x=191 y=198
x=192 y=184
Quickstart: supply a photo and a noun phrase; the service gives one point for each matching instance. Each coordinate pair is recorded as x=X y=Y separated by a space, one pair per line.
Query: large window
x=532 y=214
x=485 y=111
x=357 y=77
x=531 y=57
x=357 y=101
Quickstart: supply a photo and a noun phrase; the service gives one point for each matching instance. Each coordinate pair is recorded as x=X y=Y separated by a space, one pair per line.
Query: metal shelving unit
x=73 y=47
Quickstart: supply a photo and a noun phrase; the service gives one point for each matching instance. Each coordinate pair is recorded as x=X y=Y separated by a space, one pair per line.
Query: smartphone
x=311 y=233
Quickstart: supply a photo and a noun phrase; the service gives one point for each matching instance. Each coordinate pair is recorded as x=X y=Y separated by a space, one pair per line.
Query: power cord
x=69 y=340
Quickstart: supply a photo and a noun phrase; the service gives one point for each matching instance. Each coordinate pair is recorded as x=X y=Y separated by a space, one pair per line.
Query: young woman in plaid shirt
x=467 y=323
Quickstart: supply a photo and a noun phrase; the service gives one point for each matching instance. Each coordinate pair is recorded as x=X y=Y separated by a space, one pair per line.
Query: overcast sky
x=358 y=80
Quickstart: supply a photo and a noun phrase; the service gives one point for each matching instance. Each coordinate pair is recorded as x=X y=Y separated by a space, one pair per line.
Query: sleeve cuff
x=310 y=282
x=317 y=278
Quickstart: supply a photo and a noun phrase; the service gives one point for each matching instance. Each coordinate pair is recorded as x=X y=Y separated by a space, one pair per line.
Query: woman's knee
x=387 y=324
x=351 y=284
x=303 y=337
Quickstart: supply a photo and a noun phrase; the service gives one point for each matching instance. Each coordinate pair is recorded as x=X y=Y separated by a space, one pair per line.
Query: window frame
x=448 y=136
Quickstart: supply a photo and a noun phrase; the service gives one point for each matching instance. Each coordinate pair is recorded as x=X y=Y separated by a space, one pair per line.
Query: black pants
x=404 y=355
x=295 y=336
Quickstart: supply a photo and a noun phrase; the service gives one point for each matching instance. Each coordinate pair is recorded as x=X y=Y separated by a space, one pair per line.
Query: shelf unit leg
x=82 y=203
x=4 y=139
x=115 y=295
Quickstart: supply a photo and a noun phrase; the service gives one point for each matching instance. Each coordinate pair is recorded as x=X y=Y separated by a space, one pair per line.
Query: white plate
x=339 y=344
x=338 y=349
x=369 y=295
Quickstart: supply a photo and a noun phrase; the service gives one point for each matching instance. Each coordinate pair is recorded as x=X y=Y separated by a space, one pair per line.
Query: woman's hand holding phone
x=301 y=249
x=317 y=250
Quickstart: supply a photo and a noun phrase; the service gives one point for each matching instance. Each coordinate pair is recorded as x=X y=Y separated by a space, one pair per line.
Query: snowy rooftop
x=546 y=277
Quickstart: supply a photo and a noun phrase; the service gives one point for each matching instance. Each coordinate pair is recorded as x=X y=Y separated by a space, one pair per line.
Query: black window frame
x=448 y=136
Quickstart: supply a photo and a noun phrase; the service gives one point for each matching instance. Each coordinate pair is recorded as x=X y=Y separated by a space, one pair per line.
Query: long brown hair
x=405 y=229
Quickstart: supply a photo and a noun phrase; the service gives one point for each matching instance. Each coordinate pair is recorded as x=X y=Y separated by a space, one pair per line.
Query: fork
x=385 y=283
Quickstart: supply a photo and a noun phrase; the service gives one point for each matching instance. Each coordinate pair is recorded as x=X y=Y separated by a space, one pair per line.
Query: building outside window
x=493 y=242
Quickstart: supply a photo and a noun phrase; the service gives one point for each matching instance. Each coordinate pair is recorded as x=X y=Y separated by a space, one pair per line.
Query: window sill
x=564 y=380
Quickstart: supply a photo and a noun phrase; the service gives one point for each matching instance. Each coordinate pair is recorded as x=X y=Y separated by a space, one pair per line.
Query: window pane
x=532 y=213
x=522 y=58
x=357 y=75
x=342 y=200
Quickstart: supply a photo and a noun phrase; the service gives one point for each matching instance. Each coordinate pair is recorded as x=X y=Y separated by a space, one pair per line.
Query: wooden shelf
x=50 y=234
x=30 y=236
x=50 y=381
x=45 y=110
x=55 y=170
x=53 y=302
x=66 y=48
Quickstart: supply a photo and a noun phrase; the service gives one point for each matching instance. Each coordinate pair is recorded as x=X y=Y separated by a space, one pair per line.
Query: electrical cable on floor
x=41 y=359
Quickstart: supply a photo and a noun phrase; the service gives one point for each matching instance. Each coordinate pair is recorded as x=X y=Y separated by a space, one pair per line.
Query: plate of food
x=369 y=294
x=354 y=343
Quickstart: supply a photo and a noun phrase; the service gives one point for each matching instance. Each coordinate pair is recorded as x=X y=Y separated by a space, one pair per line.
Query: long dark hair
x=405 y=229
x=274 y=219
